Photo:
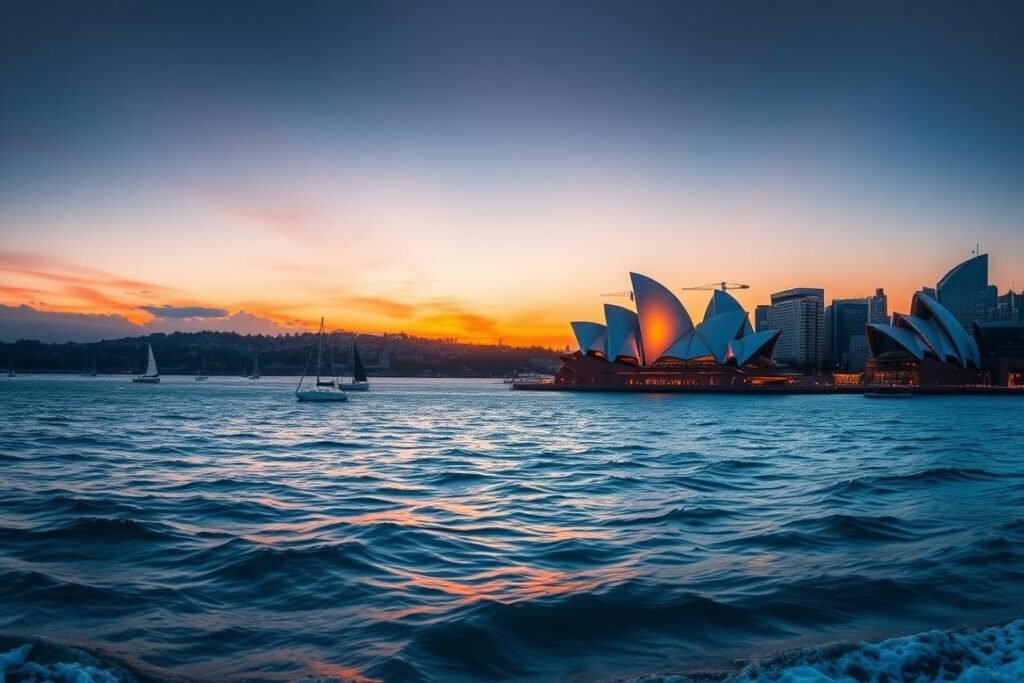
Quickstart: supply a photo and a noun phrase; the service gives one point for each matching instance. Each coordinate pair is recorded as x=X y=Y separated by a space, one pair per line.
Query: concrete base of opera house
x=595 y=374
x=775 y=390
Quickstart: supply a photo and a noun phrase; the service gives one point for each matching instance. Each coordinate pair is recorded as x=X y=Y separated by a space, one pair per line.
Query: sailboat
x=255 y=367
x=324 y=390
x=152 y=375
x=10 y=373
x=201 y=377
x=358 y=382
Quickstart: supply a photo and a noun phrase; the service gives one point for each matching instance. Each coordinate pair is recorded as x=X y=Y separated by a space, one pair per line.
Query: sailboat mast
x=319 y=348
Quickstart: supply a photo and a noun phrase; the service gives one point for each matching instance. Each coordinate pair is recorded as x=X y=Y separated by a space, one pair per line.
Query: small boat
x=10 y=373
x=323 y=390
x=152 y=375
x=202 y=377
x=255 y=367
x=358 y=382
x=90 y=367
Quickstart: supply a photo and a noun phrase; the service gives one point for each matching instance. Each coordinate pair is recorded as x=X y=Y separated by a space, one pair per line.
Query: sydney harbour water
x=443 y=530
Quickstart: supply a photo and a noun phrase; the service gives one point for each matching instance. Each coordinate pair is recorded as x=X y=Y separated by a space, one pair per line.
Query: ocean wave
x=993 y=654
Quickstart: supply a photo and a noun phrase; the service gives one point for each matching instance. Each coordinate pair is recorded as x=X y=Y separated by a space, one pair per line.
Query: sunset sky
x=486 y=170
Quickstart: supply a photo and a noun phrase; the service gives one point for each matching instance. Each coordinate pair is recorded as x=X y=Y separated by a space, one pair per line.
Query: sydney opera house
x=659 y=347
x=927 y=347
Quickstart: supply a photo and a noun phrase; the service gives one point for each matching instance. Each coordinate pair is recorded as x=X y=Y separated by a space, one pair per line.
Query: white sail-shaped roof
x=590 y=336
x=748 y=346
x=623 y=333
x=929 y=329
x=724 y=302
x=931 y=334
x=903 y=338
x=663 y=318
x=690 y=347
x=721 y=329
x=925 y=306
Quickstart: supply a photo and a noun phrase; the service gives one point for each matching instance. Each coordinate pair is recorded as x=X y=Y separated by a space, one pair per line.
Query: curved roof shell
x=623 y=334
x=929 y=329
x=903 y=339
x=662 y=328
x=925 y=306
x=592 y=337
x=663 y=318
x=724 y=302
x=757 y=344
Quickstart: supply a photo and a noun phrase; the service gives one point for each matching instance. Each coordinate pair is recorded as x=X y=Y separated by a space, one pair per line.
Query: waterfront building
x=798 y=315
x=1001 y=345
x=844 y=320
x=659 y=345
x=761 y=320
x=927 y=347
x=859 y=353
x=878 y=307
x=964 y=291
x=1010 y=306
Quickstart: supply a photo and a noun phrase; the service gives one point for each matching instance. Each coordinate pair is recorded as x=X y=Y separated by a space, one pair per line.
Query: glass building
x=964 y=291
x=799 y=316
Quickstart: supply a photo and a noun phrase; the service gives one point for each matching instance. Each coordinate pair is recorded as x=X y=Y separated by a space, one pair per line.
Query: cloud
x=180 y=312
x=26 y=322
x=388 y=308
x=241 y=322
x=53 y=270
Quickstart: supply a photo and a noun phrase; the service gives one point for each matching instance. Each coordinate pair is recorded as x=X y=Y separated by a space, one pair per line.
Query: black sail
x=358 y=372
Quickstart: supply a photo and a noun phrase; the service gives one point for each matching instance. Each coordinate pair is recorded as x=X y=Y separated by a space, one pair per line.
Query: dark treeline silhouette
x=228 y=353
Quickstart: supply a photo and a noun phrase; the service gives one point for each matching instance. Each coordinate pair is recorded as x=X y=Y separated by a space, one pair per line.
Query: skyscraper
x=799 y=315
x=965 y=291
x=846 y=319
x=878 y=307
x=761 y=320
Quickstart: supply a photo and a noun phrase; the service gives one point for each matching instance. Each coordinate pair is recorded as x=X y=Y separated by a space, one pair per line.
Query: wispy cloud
x=289 y=218
x=380 y=306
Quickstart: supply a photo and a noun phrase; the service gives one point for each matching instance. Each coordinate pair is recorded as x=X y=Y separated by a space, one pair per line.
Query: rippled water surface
x=446 y=530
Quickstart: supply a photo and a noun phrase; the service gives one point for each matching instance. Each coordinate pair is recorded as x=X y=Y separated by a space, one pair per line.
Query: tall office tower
x=878 y=307
x=761 y=320
x=799 y=316
x=846 y=319
x=965 y=291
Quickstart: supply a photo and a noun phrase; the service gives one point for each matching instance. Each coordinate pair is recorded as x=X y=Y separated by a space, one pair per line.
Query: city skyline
x=486 y=173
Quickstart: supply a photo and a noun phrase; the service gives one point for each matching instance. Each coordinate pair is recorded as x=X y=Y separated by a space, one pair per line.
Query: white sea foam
x=988 y=655
x=15 y=665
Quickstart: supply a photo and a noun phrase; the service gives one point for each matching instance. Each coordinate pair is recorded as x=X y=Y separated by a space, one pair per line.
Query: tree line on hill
x=229 y=353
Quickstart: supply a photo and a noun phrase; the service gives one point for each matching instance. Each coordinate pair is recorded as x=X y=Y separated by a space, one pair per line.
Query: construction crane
x=724 y=286
x=619 y=295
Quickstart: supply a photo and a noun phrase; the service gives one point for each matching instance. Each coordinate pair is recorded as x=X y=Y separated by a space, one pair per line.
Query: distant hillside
x=228 y=353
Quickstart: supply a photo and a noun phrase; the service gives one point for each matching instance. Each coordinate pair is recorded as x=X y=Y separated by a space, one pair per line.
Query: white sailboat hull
x=318 y=395
x=354 y=386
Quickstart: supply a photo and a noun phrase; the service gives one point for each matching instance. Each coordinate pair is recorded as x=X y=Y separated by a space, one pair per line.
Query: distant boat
x=255 y=367
x=358 y=382
x=201 y=377
x=152 y=375
x=10 y=373
x=324 y=390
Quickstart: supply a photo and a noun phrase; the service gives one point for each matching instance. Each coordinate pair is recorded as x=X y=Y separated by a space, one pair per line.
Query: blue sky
x=388 y=163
